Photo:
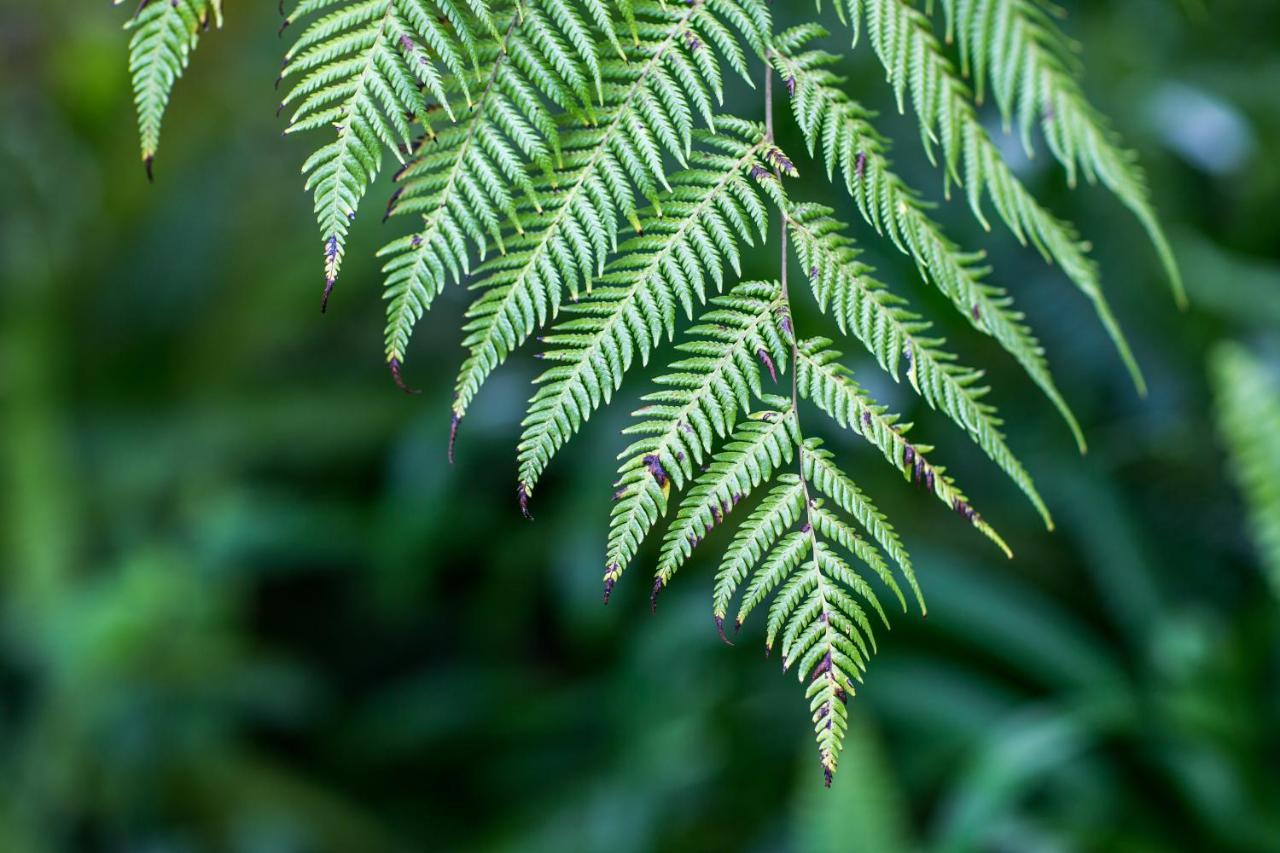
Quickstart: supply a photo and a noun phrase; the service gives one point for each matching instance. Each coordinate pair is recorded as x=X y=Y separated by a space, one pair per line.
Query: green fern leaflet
x=164 y=33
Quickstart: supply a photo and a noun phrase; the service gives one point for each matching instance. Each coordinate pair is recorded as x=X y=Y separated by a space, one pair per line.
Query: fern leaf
x=366 y=69
x=710 y=208
x=700 y=401
x=815 y=617
x=759 y=446
x=532 y=132
x=465 y=180
x=820 y=470
x=903 y=39
x=1034 y=74
x=164 y=33
x=758 y=535
x=819 y=613
x=566 y=246
x=831 y=387
x=893 y=334
x=848 y=141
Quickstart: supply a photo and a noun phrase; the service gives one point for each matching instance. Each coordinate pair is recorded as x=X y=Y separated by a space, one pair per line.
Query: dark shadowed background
x=247 y=605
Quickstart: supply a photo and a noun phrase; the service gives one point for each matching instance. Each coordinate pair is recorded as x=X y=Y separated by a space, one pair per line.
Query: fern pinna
x=573 y=164
x=163 y=34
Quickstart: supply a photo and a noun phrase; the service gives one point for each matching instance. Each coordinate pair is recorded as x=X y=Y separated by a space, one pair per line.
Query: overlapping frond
x=759 y=534
x=840 y=131
x=163 y=34
x=699 y=402
x=465 y=178
x=894 y=334
x=915 y=63
x=366 y=70
x=1034 y=75
x=758 y=447
x=656 y=276
x=1248 y=409
x=821 y=470
x=648 y=112
x=832 y=388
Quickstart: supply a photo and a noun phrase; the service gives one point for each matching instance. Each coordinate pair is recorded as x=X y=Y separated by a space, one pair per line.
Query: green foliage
x=699 y=403
x=894 y=334
x=366 y=70
x=849 y=143
x=1033 y=71
x=574 y=225
x=164 y=32
x=831 y=386
x=464 y=178
x=533 y=132
x=656 y=276
x=1249 y=419
x=915 y=63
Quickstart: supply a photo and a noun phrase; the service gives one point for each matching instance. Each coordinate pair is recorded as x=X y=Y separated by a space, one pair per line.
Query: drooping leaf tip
x=329 y=282
x=397 y=376
x=654 y=593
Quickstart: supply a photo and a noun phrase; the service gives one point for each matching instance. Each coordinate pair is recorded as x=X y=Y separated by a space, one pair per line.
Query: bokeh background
x=246 y=605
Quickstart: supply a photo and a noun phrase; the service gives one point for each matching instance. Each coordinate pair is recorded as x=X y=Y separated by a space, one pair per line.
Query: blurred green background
x=246 y=605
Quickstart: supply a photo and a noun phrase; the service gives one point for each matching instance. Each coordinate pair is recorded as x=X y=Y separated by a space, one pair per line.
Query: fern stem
x=790 y=321
x=828 y=668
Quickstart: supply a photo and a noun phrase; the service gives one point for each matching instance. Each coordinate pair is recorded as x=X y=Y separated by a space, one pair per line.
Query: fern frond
x=842 y=130
x=711 y=207
x=1034 y=74
x=821 y=471
x=831 y=387
x=759 y=446
x=531 y=133
x=902 y=38
x=367 y=69
x=777 y=513
x=892 y=333
x=645 y=115
x=466 y=178
x=817 y=615
x=700 y=402
x=1248 y=397
x=164 y=33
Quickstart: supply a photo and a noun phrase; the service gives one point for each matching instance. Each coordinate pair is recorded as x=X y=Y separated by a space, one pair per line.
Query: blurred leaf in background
x=1249 y=410
x=246 y=604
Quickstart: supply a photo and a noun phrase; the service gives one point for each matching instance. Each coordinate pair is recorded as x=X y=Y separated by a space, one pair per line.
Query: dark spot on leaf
x=654 y=464
x=768 y=363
